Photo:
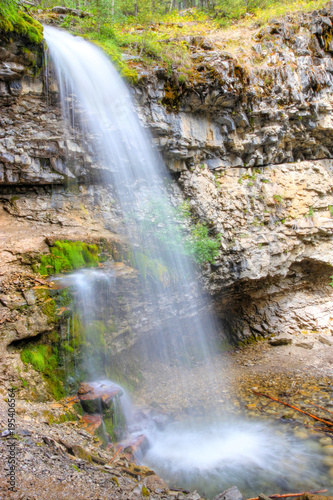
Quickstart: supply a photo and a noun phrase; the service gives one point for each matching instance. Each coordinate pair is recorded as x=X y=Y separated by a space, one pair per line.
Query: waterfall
x=207 y=454
x=92 y=93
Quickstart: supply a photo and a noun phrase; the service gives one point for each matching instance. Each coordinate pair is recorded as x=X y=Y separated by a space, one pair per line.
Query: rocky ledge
x=249 y=138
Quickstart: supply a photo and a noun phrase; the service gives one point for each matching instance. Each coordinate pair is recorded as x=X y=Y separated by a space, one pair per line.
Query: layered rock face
x=249 y=137
x=249 y=140
x=49 y=190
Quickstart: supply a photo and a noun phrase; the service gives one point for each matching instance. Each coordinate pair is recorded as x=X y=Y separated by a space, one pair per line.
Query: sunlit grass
x=166 y=39
x=281 y=9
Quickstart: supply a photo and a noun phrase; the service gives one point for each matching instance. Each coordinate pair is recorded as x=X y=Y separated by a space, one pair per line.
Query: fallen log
x=321 y=407
x=290 y=495
x=330 y=424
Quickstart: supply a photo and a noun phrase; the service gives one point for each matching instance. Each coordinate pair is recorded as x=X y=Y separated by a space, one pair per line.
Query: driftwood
x=114 y=456
x=321 y=407
x=290 y=495
x=327 y=422
x=328 y=430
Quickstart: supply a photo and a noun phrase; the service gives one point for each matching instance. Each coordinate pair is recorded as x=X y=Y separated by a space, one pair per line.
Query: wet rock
x=263 y=497
x=155 y=484
x=328 y=449
x=96 y=396
x=91 y=423
x=328 y=460
x=232 y=493
x=136 y=471
x=309 y=496
x=325 y=441
x=134 y=445
x=193 y=496
x=299 y=434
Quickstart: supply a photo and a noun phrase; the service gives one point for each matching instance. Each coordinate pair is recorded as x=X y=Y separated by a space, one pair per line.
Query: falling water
x=137 y=173
x=211 y=456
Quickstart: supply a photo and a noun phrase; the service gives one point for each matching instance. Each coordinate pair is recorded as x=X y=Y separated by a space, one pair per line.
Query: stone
x=91 y=423
x=299 y=434
x=280 y=341
x=232 y=493
x=29 y=296
x=67 y=10
x=325 y=440
x=305 y=345
x=155 y=484
x=328 y=449
x=95 y=396
x=263 y=497
x=325 y=340
x=328 y=460
x=309 y=496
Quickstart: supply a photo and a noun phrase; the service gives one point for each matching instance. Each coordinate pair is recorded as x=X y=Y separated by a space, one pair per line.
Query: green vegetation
x=13 y=20
x=201 y=245
x=114 y=421
x=278 y=199
x=153 y=268
x=67 y=256
x=310 y=213
x=172 y=233
x=146 y=31
x=91 y=341
x=44 y=359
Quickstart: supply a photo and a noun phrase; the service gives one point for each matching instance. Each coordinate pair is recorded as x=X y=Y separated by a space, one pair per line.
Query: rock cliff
x=248 y=138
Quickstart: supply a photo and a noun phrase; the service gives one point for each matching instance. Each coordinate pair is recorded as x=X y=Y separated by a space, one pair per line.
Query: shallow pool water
x=254 y=456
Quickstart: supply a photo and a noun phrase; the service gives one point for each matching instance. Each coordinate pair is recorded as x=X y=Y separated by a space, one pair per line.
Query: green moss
x=171 y=99
x=69 y=416
x=44 y=359
x=145 y=491
x=91 y=340
x=109 y=426
x=39 y=357
x=105 y=38
x=148 y=266
x=114 y=479
x=67 y=256
x=12 y=20
x=49 y=309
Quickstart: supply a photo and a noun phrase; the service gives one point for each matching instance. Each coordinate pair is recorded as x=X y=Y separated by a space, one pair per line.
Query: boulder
x=232 y=493
x=305 y=345
x=280 y=341
x=98 y=396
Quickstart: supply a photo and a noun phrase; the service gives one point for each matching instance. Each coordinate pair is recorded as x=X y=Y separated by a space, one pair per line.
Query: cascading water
x=137 y=174
x=209 y=455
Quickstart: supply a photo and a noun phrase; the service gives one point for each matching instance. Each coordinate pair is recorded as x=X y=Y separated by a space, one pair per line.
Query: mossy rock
x=67 y=256
x=14 y=21
x=44 y=359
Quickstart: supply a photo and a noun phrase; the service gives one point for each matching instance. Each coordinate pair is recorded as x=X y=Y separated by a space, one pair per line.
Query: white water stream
x=208 y=455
